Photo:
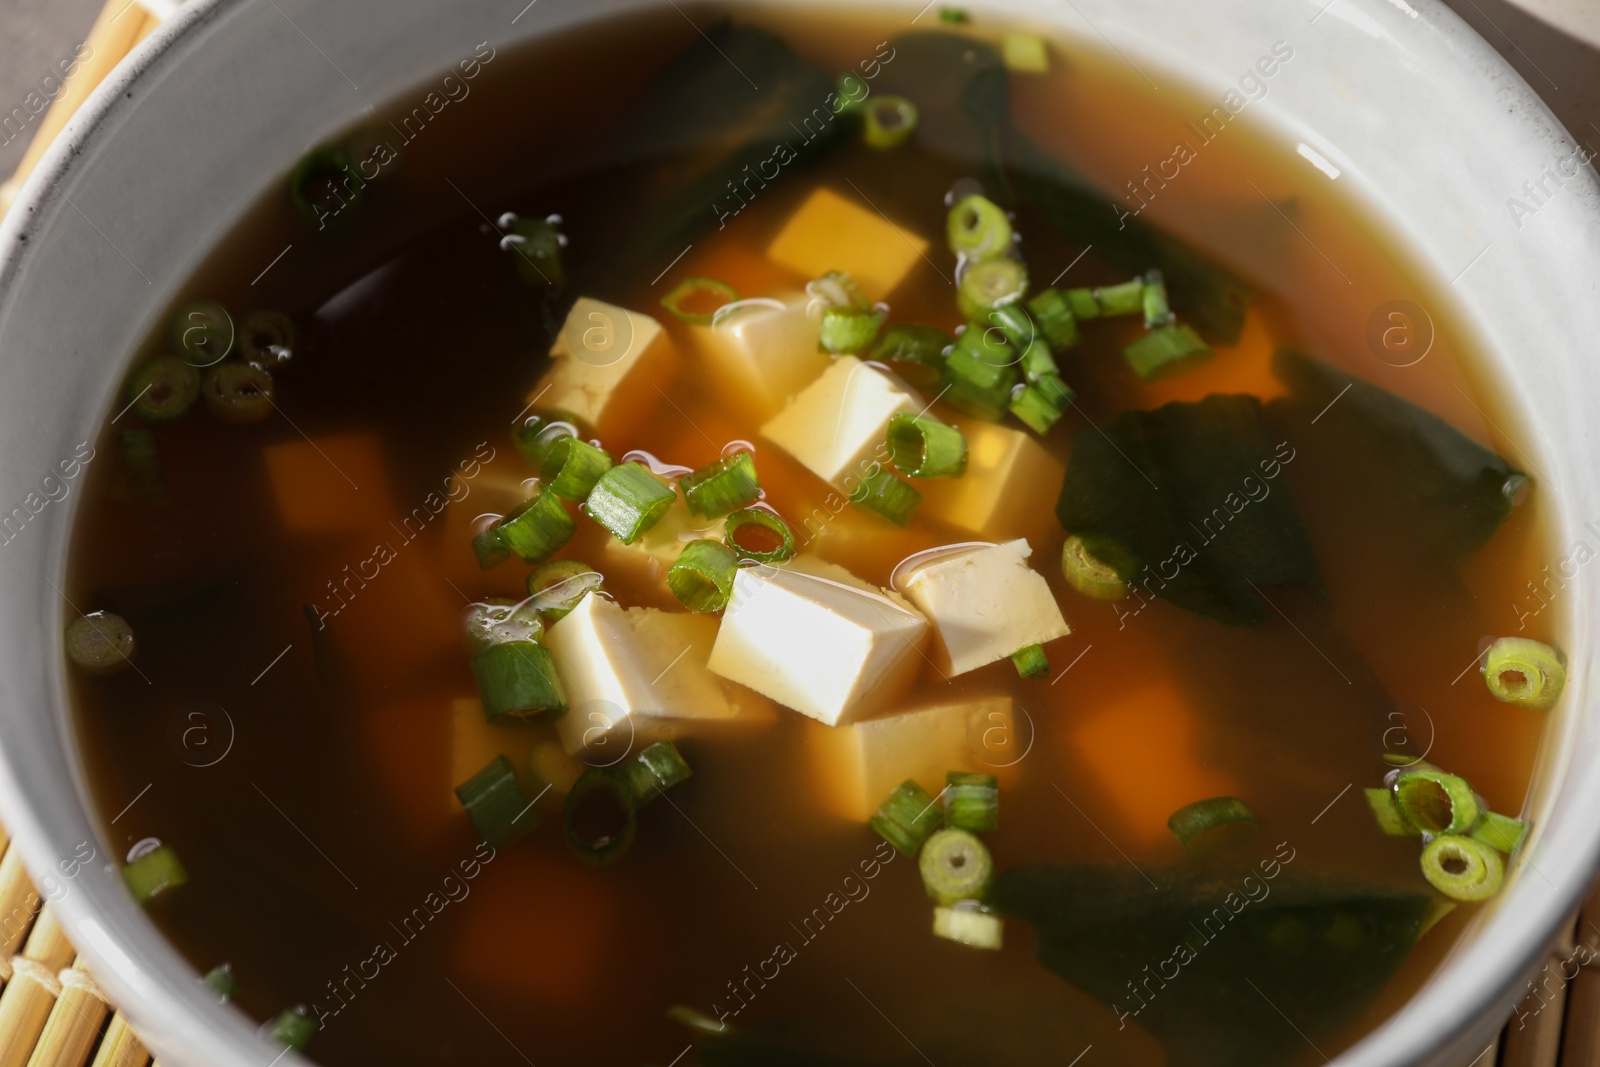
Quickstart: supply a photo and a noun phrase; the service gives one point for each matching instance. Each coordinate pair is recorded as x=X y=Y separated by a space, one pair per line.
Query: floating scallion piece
x=1053 y=315
x=1038 y=408
x=321 y=185
x=498 y=620
x=1194 y=821
x=1015 y=324
x=238 y=392
x=889 y=121
x=1435 y=802
x=696 y=300
x=922 y=447
x=848 y=330
x=489 y=550
x=101 y=643
x=1500 y=832
x=163 y=390
x=495 y=803
x=571 y=467
x=912 y=342
x=907 y=817
x=971 y=801
x=758 y=534
x=600 y=817
x=969 y=923
x=1036 y=361
x=1523 y=672
x=557 y=586
x=537 y=529
x=837 y=289
x=1165 y=351
x=953 y=15
x=726 y=485
x=1088 y=575
x=154 y=873
x=991 y=284
x=850 y=93
x=1031 y=662
x=220 y=980
x=978 y=229
x=267 y=338
x=980 y=373
x=655 y=770
x=203 y=333
x=535 y=434
x=628 y=500
x=1107 y=300
x=1462 y=868
x=1157 y=312
x=955 y=866
x=293 y=1029
x=883 y=494
x=535 y=245
x=702 y=575
x=517 y=681
x=1387 y=813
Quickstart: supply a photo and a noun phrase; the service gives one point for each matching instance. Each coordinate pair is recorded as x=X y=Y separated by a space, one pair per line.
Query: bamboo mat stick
x=120 y=1047
x=24 y=1008
x=18 y=899
x=74 y=1024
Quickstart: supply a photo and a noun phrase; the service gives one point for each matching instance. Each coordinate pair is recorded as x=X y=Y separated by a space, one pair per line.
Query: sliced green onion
x=848 y=330
x=1500 y=832
x=628 y=500
x=1435 y=802
x=1054 y=316
x=971 y=801
x=1031 y=662
x=1387 y=813
x=1053 y=391
x=495 y=803
x=1156 y=310
x=921 y=447
x=1193 y=821
x=537 y=529
x=203 y=333
x=758 y=534
x=991 y=284
x=953 y=14
x=1165 y=351
x=890 y=120
x=293 y=1029
x=143 y=460
x=1124 y=299
x=955 y=866
x=1089 y=575
x=572 y=466
x=697 y=293
x=320 y=185
x=978 y=229
x=537 y=244
x=907 y=817
x=655 y=770
x=726 y=485
x=1410 y=763
x=702 y=575
x=267 y=338
x=500 y=619
x=969 y=923
x=1037 y=362
x=1523 y=672
x=912 y=342
x=220 y=980
x=1036 y=408
x=154 y=873
x=101 y=643
x=236 y=391
x=883 y=494
x=517 y=681
x=163 y=390
x=489 y=549
x=837 y=289
x=850 y=92
x=1014 y=322
x=979 y=374
x=600 y=817
x=536 y=433
x=1461 y=868
x=557 y=586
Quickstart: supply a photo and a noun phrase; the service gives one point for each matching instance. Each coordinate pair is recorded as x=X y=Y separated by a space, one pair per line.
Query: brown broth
x=325 y=824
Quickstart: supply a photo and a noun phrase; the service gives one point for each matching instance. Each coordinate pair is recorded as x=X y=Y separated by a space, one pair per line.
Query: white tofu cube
x=608 y=366
x=830 y=232
x=835 y=426
x=812 y=636
x=857 y=765
x=985 y=603
x=1008 y=471
x=762 y=354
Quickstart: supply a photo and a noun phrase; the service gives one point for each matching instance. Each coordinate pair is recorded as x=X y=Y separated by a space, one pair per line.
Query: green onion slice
x=1015 y=324
x=980 y=373
x=203 y=333
x=848 y=330
x=535 y=434
x=883 y=494
x=1500 y=832
x=971 y=801
x=696 y=300
x=267 y=338
x=500 y=619
x=1387 y=813
x=702 y=575
x=953 y=15
x=1037 y=405
x=537 y=245
x=539 y=528
x=912 y=342
x=495 y=803
x=726 y=485
x=969 y=923
x=220 y=980
x=1193 y=821
x=320 y=185
x=1124 y=299
x=1154 y=301
x=1165 y=351
x=837 y=289
x=572 y=465
x=1053 y=313
x=628 y=500
x=293 y=1029
x=991 y=284
x=600 y=817
x=154 y=873
x=1526 y=673
x=1435 y=802
x=101 y=643
x=1031 y=662
x=890 y=120
x=557 y=586
x=1037 y=363
x=955 y=865
x=758 y=534
x=1462 y=868
x=489 y=549
x=907 y=817
x=238 y=392
x=163 y=390
x=655 y=770
x=1089 y=575
x=978 y=229
x=517 y=681
x=921 y=447
x=850 y=92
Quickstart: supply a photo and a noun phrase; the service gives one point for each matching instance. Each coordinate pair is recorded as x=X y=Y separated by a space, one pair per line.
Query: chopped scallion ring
x=1053 y=314
x=890 y=120
x=655 y=770
x=1037 y=408
x=1165 y=351
x=1157 y=312
x=1037 y=363
x=1387 y=813
x=922 y=447
x=978 y=229
x=980 y=373
x=267 y=338
x=536 y=433
x=101 y=643
x=517 y=682
x=495 y=804
x=537 y=529
x=883 y=494
x=572 y=466
x=535 y=245
x=1194 y=821
x=154 y=873
x=911 y=342
x=203 y=333
x=848 y=330
x=293 y=1029
x=696 y=300
x=163 y=390
x=991 y=284
x=500 y=619
x=726 y=485
x=758 y=534
x=971 y=801
x=1500 y=832
x=1088 y=575
x=906 y=817
x=220 y=980
x=969 y=923
x=600 y=817
x=1031 y=662
x=955 y=865
x=557 y=586
x=1526 y=673
x=628 y=500
x=489 y=549
x=1435 y=802
x=837 y=289
x=1015 y=324
x=237 y=392
x=1461 y=868
x=702 y=575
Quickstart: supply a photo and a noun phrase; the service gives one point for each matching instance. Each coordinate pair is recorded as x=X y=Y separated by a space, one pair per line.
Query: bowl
x=1426 y=125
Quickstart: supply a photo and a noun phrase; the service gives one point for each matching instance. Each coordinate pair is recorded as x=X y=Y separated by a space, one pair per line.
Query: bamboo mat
x=53 y=1015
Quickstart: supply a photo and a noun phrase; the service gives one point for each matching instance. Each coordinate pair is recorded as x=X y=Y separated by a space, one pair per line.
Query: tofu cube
x=985 y=603
x=998 y=498
x=815 y=638
x=857 y=765
x=332 y=484
x=830 y=232
x=835 y=426
x=608 y=366
x=761 y=355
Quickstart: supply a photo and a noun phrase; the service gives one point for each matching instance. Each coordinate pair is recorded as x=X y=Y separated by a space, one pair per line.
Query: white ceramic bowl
x=1428 y=126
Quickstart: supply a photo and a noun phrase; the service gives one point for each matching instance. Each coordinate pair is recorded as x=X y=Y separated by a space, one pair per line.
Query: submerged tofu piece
x=857 y=765
x=608 y=367
x=330 y=484
x=985 y=603
x=812 y=636
x=998 y=497
x=835 y=426
x=830 y=232
x=761 y=355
